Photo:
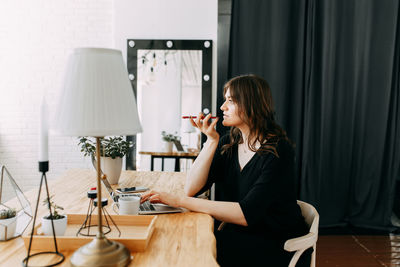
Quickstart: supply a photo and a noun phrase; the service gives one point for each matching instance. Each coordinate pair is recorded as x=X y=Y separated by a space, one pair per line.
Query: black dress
x=265 y=190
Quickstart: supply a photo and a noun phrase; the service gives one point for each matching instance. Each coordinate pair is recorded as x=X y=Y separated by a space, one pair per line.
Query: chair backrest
x=310 y=215
x=302 y=243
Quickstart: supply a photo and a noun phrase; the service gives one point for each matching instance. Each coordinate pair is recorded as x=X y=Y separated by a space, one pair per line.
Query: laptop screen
x=108 y=186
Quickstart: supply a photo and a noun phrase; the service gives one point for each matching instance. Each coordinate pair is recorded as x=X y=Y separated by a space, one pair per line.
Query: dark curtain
x=333 y=67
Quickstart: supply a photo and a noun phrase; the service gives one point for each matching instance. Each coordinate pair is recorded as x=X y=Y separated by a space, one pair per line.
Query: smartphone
x=133 y=189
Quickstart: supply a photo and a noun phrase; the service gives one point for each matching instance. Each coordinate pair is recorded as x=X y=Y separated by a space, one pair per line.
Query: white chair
x=302 y=243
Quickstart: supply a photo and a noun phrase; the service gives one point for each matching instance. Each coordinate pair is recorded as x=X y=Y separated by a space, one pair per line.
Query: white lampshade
x=187 y=127
x=97 y=98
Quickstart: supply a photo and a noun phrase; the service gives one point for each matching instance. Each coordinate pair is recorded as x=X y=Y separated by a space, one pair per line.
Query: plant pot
x=168 y=146
x=8 y=224
x=112 y=168
x=60 y=225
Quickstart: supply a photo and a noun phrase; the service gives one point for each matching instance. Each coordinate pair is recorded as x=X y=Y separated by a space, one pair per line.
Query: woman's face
x=230 y=109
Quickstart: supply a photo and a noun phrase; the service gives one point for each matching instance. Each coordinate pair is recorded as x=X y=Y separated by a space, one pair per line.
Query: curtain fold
x=333 y=67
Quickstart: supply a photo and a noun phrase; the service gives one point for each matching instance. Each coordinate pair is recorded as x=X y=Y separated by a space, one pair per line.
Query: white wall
x=172 y=19
x=36 y=38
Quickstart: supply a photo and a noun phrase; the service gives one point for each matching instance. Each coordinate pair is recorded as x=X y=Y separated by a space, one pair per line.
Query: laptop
x=146 y=208
x=179 y=146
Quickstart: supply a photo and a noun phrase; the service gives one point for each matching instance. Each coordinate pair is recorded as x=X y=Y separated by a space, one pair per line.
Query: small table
x=176 y=155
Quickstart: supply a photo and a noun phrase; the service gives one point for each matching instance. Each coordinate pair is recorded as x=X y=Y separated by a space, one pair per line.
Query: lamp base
x=101 y=252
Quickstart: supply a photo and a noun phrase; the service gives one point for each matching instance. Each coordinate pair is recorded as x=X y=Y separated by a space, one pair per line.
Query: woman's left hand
x=161 y=197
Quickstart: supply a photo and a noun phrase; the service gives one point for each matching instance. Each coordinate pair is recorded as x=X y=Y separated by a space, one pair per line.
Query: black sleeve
x=273 y=187
x=217 y=166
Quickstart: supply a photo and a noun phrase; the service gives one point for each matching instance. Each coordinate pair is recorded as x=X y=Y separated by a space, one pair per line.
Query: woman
x=253 y=170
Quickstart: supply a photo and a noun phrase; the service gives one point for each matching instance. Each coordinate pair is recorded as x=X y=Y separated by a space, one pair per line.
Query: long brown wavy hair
x=253 y=98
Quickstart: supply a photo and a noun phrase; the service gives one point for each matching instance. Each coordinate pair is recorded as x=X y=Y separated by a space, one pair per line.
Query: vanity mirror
x=170 y=79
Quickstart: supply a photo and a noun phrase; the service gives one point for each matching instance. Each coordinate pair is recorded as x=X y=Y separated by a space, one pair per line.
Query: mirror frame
x=133 y=45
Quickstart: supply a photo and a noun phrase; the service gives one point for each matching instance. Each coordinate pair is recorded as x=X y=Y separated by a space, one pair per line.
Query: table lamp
x=97 y=100
x=187 y=128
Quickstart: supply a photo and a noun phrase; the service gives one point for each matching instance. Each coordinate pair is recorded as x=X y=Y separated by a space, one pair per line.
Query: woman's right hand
x=207 y=128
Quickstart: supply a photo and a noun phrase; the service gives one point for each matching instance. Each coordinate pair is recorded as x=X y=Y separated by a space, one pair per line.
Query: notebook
x=146 y=207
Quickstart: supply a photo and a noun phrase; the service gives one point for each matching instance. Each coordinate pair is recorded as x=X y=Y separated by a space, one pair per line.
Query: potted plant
x=8 y=222
x=59 y=221
x=169 y=140
x=112 y=150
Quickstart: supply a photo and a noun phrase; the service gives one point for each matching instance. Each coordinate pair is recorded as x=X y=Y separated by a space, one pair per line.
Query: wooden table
x=183 y=239
x=175 y=155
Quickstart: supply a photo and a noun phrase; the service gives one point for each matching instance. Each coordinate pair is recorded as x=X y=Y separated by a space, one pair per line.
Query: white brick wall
x=36 y=38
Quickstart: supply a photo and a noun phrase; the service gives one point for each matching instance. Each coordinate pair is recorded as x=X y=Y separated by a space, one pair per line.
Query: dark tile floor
x=357 y=248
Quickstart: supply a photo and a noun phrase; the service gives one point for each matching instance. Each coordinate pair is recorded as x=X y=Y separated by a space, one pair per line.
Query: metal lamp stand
x=101 y=251
x=43 y=168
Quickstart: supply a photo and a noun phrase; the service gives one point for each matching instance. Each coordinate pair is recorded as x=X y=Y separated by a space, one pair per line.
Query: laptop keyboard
x=146 y=206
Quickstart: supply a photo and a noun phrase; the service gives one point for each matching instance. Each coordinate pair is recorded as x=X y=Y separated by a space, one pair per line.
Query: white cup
x=127 y=205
